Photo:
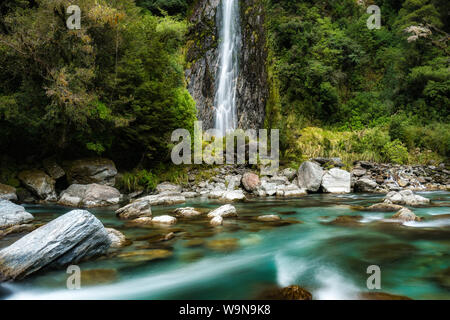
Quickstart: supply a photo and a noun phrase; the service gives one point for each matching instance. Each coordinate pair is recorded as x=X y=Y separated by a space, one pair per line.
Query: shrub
x=396 y=152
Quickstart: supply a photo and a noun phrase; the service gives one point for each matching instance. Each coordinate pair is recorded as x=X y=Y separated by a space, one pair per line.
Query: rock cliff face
x=202 y=62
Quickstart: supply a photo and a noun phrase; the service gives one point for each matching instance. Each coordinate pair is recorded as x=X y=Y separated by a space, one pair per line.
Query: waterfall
x=230 y=39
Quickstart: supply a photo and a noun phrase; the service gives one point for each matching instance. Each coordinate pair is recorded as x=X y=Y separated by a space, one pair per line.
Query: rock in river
x=187 y=212
x=406 y=197
x=93 y=170
x=406 y=215
x=310 y=176
x=135 y=210
x=336 y=181
x=39 y=183
x=169 y=220
x=69 y=239
x=224 y=212
x=288 y=293
x=7 y=192
x=118 y=239
x=269 y=218
x=11 y=214
x=89 y=196
x=162 y=199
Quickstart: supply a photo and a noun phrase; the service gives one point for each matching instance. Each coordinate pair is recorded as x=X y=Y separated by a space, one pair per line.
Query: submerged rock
x=346 y=221
x=250 y=181
x=12 y=214
x=69 y=239
x=406 y=215
x=336 y=181
x=187 y=212
x=135 y=210
x=97 y=276
x=384 y=207
x=93 y=170
x=269 y=218
x=20 y=228
x=7 y=193
x=118 y=239
x=145 y=255
x=216 y=221
x=89 y=196
x=223 y=245
x=406 y=197
x=224 y=212
x=310 y=176
x=39 y=183
x=289 y=293
x=381 y=296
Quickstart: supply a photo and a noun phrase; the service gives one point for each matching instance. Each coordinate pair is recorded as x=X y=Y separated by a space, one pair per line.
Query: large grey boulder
x=92 y=170
x=365 y=185
x=336 y=181
x=11 y=214
x=7 y=192
x=406 y=197
x=89 y=196
x=69 y=239
x=39 y=183
x=310 y=176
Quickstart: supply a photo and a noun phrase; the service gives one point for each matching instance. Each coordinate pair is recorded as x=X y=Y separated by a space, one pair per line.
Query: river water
x=245 y=257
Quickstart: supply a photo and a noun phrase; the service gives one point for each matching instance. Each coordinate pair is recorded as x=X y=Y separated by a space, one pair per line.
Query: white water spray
x=230 y=38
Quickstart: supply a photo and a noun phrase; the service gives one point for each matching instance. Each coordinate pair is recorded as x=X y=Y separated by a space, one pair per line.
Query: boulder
x=7 y=192
x=216 y=194
x=405 y=215
x=162 y=199
x=143 y=220
x=289 y=173
x=233 y=182
x=167 y=187
x=268 y=189
x=53 y=169
x=406 y=197
x=11 y=214
x=69 y=239
x=309 y=176
x=118 y=239
x=187 y=212
x=336 y=181
x=92 y=170
x=235 y=195
x=89 y=196
x=289 y=293
x=135 y=210
x=359 y=171
x=250 y=181
x=216 y=221
x=39 y=183
x=269 y=218
x=164 y=220
x=190 y=195
x=384 y=207
x=290 y=190
x=224 y=211
x=365 y=185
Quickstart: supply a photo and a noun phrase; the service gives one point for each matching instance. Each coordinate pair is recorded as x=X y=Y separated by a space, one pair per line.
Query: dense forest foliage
x=377 y=93
x=116 y=87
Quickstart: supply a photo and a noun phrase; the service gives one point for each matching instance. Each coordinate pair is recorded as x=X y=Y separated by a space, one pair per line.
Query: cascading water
x=230 y=38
